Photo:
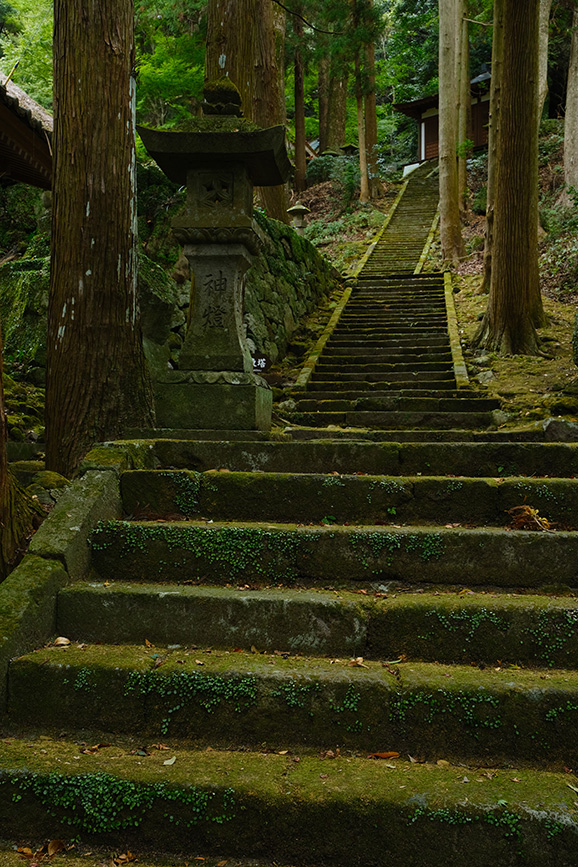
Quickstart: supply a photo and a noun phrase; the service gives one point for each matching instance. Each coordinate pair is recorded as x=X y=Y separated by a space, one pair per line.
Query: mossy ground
x=530 y=387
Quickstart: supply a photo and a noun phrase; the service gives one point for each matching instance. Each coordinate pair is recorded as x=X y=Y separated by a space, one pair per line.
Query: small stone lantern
x=219 y=160
x=298 y=214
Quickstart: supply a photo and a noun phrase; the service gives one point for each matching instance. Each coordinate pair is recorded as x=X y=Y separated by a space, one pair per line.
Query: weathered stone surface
x=27 y=609
x=289 y=620
x=226 y=400
x=63 y=536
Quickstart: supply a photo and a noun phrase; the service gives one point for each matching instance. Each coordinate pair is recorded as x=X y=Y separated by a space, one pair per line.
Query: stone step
x=368 y=390
x=400 y=344
x=402 y=378
x=437 y=420
x=274 y=553
x=258 y=804
x=330 y=454
x=363 y=388
x=418 y=356
x=220 y=698
x=332 y=367
x=498 y=629
x=394 y=353
x=367 y=499
x=402 y=403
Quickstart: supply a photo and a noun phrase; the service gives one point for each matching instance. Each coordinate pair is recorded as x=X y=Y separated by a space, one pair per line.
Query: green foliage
x=100 y=803
x=170 y=81
x=28 y=42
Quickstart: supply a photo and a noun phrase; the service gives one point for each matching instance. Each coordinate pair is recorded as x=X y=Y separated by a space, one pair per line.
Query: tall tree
x=450 y=15
x=493 y=131
x=370 y=111
x=514 y=302
x=245 y=43
x=464 y=105
x=571 y=116
x=299 y=93
x=97 y=382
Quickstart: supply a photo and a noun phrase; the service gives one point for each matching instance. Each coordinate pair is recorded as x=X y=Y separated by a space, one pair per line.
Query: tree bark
x=493 y=131
x=370 y=107
x=464 y=109
x=97 y=381
x=450 y=228
x=19 y=514
x=509 y=322
x=300 y=155
x=323 y=102
x=336 y=109
x=364 y=179
x=245 y=43
x=545 y=7
x=571 y=119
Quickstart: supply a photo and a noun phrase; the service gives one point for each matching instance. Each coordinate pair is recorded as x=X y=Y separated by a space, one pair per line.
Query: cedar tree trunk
x=300 y=156
x=450 y=228
x=245 y=43
x=371 y=123
x=97 y=381
x=571 y=119
x=509 y=322
x=464 y=110
x=493 y=131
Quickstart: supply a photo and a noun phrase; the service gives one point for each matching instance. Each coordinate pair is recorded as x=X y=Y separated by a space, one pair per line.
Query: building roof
x=25 y=138
x=417 y=107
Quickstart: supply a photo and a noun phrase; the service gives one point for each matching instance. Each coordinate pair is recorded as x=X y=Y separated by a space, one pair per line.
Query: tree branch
x=308 y=23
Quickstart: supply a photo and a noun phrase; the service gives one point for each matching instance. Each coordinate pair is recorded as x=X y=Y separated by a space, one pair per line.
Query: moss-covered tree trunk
x=245 y=43
x=19 y=514
x=97 y=381
x=464 y=108
x=508 y=324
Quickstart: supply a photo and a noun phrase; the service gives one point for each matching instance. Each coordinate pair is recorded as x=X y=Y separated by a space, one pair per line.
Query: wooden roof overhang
x=25 y=139
x=418 y=107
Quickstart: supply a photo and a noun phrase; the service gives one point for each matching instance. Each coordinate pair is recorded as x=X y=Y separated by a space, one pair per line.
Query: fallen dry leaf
x=160 y=747
x=222 y=863
x=61 y=641
x=358 y=662
x=148 y=643
x=389 y=755
x=170 y=761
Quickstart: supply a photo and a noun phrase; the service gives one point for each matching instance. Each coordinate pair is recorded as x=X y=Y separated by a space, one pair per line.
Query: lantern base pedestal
x=213 y=400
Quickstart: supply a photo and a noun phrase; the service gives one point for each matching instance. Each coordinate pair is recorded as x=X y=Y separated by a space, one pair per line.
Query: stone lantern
x=298 y=213
x=219 y=161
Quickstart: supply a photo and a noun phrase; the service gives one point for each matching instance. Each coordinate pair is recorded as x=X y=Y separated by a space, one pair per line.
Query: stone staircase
x=388 y=361
x=318 y=647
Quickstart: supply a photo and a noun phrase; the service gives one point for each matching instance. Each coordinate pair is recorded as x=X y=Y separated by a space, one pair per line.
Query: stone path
x=388 y=362
x=321 y=648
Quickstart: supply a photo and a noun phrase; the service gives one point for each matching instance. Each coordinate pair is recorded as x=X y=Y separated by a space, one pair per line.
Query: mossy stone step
x=264 y=805
x=312 y=622
x=287 y=553
x=399 y=367
x=498 y=629
x=404 y=402
x=221 y=698
x=396 y=419
x=418 y=356
x=477 y=459
x=346 y=498
x=386 y=388
x=370 y=390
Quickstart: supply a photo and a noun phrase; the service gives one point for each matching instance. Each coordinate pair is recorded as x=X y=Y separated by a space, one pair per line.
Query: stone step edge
x=277 y=553
x=221 y=698
x=449 y=627
x=223 y=801
x=348 y=498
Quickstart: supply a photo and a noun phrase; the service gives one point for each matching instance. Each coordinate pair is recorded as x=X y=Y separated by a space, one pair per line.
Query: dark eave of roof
x=415 y=109
x=25 y=138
